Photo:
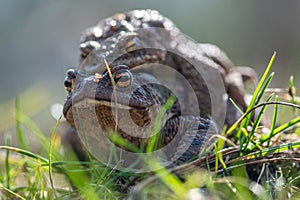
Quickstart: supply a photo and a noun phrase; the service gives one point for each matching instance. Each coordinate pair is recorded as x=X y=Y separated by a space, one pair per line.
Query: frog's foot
x=196 y=136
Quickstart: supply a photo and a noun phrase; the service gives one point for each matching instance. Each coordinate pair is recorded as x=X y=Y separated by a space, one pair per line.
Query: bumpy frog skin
x=149 y=61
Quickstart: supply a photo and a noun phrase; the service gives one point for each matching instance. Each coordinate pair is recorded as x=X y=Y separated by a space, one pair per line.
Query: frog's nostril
x=68 y=82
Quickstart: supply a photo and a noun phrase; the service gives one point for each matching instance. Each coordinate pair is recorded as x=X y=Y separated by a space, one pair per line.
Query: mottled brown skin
x=125 y=40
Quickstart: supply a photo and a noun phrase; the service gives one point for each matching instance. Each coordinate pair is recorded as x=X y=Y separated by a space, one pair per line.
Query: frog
x=140 y=78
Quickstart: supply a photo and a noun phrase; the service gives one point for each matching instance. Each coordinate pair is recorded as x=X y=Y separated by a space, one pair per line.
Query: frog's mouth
x=111 y=104
x=110 y=113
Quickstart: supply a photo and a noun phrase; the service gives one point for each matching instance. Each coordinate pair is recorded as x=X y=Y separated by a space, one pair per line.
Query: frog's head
x=117 y=100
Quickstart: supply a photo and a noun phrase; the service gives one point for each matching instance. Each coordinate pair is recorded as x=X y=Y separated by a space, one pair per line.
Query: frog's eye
x=123 y=78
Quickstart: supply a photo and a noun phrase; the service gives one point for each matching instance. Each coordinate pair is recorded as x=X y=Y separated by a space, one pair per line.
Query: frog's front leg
x=192 y=135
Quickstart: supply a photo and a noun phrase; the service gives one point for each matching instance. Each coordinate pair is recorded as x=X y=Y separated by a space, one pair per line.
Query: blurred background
x=39 y=42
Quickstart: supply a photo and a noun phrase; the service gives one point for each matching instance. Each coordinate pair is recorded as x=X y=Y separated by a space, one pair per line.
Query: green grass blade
x=242 y=191
x=236 y=106
x=291 y=89
x=171 y=181
x=265 y=86
x=118 y=140
x=235 y=125
x=51 y=153
x=7 y=164
x=219 y=146
x=257 y=122
x=280 y=129
x=81 y=181
x=20 y=136
x=261 y=82
x=153 y=140
x=244 y=131
x=274 y=149
x=256 y=93
x=12 y=192
x=25 y=120
x=273 y=120
x=25 y=153
x=40 y=179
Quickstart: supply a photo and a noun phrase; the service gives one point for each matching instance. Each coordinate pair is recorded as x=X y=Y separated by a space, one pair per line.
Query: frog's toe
x=248 y=73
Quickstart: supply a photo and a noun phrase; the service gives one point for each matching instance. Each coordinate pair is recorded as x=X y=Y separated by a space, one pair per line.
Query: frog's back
x=145 y=37
x=162 y=31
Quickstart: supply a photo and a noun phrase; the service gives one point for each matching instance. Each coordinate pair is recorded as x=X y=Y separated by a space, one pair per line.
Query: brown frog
x=142 y=79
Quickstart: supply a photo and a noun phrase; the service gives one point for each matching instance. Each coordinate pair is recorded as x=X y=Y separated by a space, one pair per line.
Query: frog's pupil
x=124 y=78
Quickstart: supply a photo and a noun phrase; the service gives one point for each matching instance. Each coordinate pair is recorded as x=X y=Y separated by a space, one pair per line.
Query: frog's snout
x=68 y=82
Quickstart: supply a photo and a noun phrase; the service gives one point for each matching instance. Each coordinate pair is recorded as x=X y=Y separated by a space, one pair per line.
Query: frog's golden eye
x=123 y=78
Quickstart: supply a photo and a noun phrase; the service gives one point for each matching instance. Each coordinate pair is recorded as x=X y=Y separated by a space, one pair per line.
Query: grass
x=250 y=164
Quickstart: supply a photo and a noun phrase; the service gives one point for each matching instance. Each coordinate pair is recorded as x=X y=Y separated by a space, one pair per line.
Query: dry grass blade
x=114 y=91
